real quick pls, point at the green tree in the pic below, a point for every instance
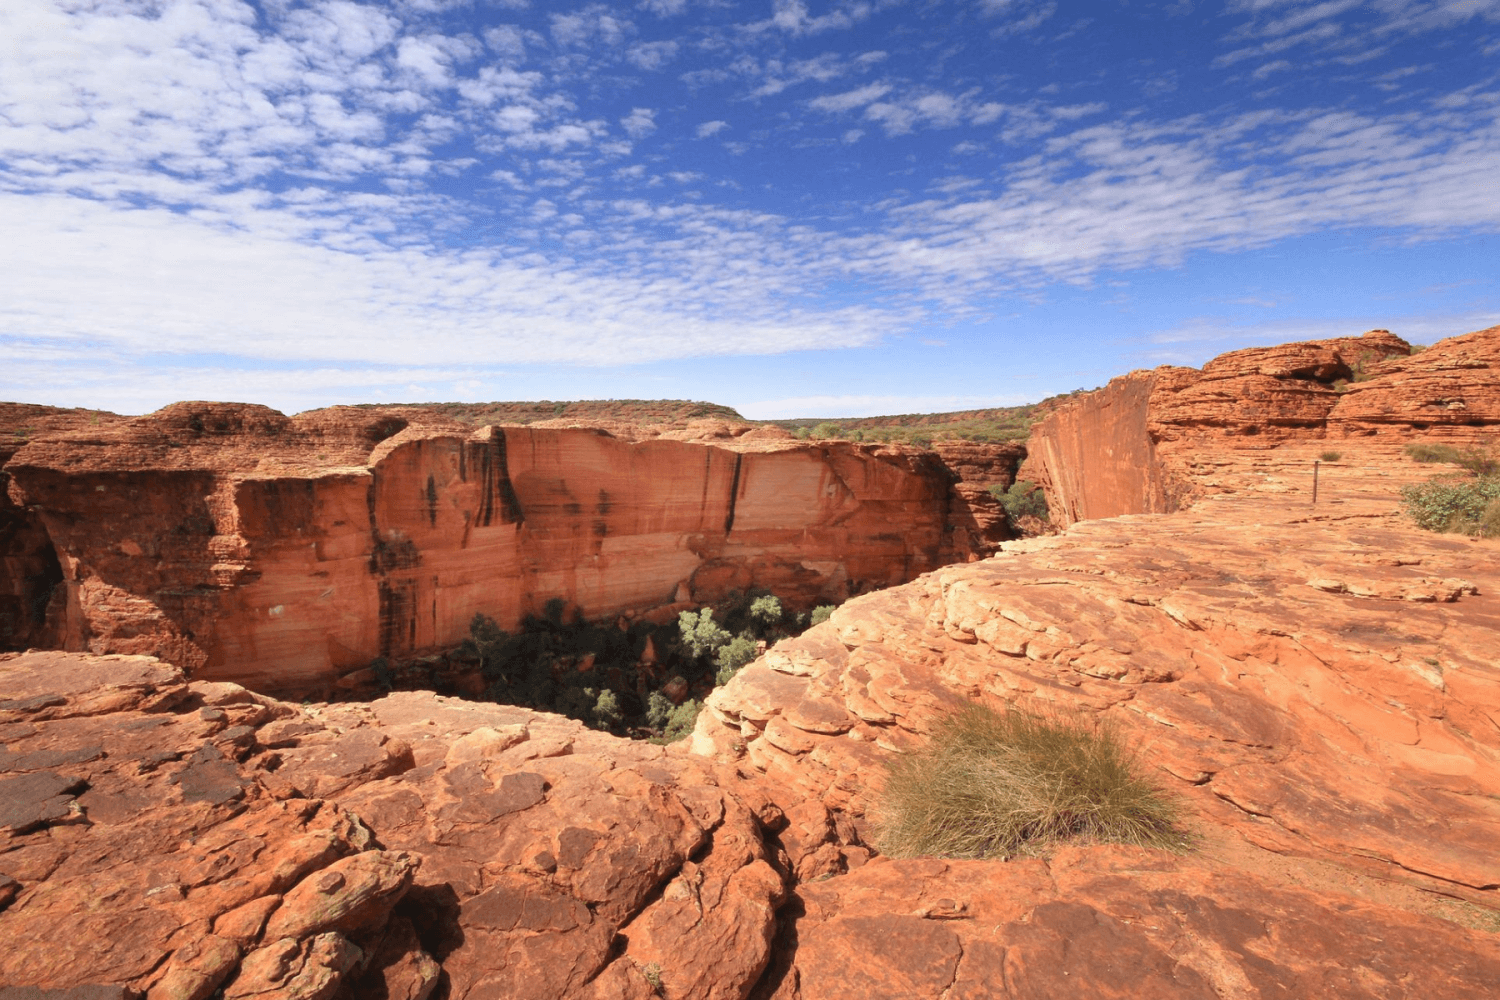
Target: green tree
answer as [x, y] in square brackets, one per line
[732, 656]
[1022, 499]
[684, 717]
[700, 633]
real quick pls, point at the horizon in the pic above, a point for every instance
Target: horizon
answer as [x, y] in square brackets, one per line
[799, 210]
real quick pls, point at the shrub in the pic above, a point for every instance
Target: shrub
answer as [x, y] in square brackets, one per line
[1480, 462]
[995, 783]
[1331, 456]
[821, 614]
[684, 717]
[606, 710]
[739, 651]
[700, 634]
[1467, 506]
[1022, 499]
[1432, 453]
[766, 609]
[658, 710]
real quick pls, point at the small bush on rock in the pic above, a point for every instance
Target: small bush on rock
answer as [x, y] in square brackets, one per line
[994, 784]
[1331, 456]
[821, 614]
[766, 609]
[680, 723]
[1469, 507]
[1481, 462]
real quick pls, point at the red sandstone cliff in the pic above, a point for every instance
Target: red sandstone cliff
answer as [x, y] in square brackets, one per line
[283, 551]
[29, 568]
[1143, 443]
[1324, 710]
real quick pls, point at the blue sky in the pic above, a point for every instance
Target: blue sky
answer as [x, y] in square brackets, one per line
[795, 207]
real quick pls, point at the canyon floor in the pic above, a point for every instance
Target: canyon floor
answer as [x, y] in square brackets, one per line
[1318, 685]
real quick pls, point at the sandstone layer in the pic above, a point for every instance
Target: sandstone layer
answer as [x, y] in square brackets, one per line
[284, 552]
[29, 570]
[1318, 685]
[1131, 447]
[180, 840]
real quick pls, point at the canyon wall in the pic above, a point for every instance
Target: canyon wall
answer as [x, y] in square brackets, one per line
[29, 569]
[284, 552]
[1146, 442]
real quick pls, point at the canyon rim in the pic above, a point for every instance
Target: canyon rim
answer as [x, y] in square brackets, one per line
[186, 814]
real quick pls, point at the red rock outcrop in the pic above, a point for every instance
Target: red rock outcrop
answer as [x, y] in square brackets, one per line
[179, 840]
[1134, 446]
[1095, 456]
[29, 568]
[1449, 390]
[1327, 710]
[283, 552]
[1317, 685]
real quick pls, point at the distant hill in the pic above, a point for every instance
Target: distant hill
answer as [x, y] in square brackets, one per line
[997, 424]
[646, 411]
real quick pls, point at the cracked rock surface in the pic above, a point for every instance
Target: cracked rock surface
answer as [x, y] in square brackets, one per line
[181, 840]
[1319, 686]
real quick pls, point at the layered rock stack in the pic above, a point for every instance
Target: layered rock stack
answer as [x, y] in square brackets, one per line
[284, 552]
[1139, 444]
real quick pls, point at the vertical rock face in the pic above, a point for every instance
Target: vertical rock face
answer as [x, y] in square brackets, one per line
[1096, 457]
[1138, 445]
[282, 552]
[29, 568]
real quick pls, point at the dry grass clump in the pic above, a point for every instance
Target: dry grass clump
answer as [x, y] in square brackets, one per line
[994, 784]
[1480, 461]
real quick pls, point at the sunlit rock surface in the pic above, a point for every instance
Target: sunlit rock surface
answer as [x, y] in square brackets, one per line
[1136, 446]
[283, 552]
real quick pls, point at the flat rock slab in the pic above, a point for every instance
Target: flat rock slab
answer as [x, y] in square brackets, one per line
[1115, 923]
[28, 801]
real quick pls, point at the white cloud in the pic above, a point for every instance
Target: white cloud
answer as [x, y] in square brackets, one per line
[270, 183]
[1127, 196]
[1347, 27]
[595, 24]
[1265, 70]
[652, 55]
[1020, 16]
[506, 41]
[849, 99]
[640, 123]
[792, 17]
[164, 283]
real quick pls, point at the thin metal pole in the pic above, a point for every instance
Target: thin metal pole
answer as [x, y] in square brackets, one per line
[1316, 463]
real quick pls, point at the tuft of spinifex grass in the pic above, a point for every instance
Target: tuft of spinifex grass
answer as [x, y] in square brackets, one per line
[995, 783]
